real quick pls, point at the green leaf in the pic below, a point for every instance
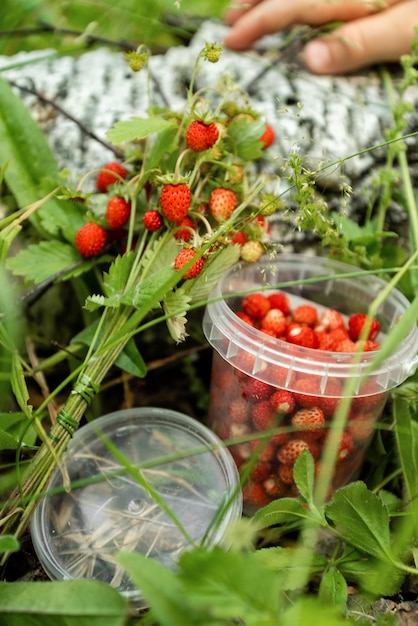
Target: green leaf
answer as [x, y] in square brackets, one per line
[64, 603]
[372, 575]
[176, 304]
[146, 295]
[215, 267]
[283, 511]
[12, 427]
[32, 171]
[361, 519]
[294, 566]
[159, 586]
[19, 386]
[303, 473]
[307, 611]
[8, 543]
[333, 590]
[245, 138]
[136, 128]
[39, 262]
[164, 144]
[114, 281]
[407, 444]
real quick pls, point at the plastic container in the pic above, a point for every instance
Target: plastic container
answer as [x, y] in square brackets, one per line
[249, 366]
[77, 534]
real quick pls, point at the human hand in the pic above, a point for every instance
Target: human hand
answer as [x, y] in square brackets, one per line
[373, 31]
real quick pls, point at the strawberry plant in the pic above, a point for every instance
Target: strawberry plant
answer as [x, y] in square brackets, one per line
[143, 241]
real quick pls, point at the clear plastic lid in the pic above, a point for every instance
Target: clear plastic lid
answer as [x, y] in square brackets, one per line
[148, 480]
[325, 283]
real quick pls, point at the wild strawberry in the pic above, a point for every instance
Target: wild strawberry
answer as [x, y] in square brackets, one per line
[285, 472]
[260, 472]
[185, 256]
[274, 486]
[222, 203]
[255, 305]
[254, 495]
[367, 346]
[238, 410]
[184, 229]
[336, 335]
[279, 300]
[302, 336]
[346, 446]
[280, 438]
[305, 314]
[344, 345]
[330, 398]
[245, 318]
[262, 415]
[306, 392]
[175, 200]
[201, 136]
[117, 212]
[288, 453]
[283, 401]
[90, 239]
[361, 426]
[255, 389]
[357, 322]
[268, 136]
[252, 251]
[369, 398]
[309, 419]
[331, 319]
[152, 220]
[109, 175]
[239, 238]
[266, 452]
[274, 321]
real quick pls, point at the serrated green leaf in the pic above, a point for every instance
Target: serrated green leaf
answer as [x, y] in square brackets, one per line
[14, 431]
[283, 511]
[245, 138]
[39, 262]
[115, 279]
[164, 144]
[176, 304]
[64, 603]
[294, 566]
[199, 288]
[361, 519]
[303, 474]
[32, 170]
[8, 543]
[148, 292]
[333, 590]
[136, 128]
[373, 575]
[407, 444]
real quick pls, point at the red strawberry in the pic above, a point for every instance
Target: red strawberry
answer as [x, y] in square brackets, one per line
[288, 453]
[262, 415]
[109, 175]
[309, 419]
[361, 426]
[239, 238]
[238, 410]
[331, 319]
[90, 239]
[302, 336]
[305, 314]
[245, 318]
[306, 392]
[346, 446]
[117, 212]
[274, 321]
[185, 256]
[201, 136]
[184, 229]
[222, 203]
[255, 305]
[356, 323]
[286, 474]
[367, 346]
[152, 220]
[279, 300]
[283, 401]
[256, 389]
[254, 495]
[344, 345]
[175, 201]
[268, 136]
[274, 486]
[260, 472]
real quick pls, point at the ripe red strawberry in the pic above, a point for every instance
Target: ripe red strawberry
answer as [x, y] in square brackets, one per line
[183, 257]
[288, 453]
[268, 136]
[90, 239]
[239, 238]
[356, 323]
[302, 336]
[305, 314]
[309, 419]
[346, 446]
[117, 212]
[152, 220]
[274, 321]
[184, 229]
[367, 346]
[109, 175]
[262, 415]
[254, 495]
[285, 473]
[344, 345]
[331, 319]
[274, 486]
[361, 426]
[306, 391]
[222, 203]
[283, 401]
[279, 300]
[201, 136]
[255, 389]
[260, 472]
[255, 305]
[175, 200]
[245, 318]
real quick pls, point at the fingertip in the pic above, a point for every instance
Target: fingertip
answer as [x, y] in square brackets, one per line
[317, 57]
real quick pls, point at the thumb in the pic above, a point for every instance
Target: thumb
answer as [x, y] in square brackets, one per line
[381, 37]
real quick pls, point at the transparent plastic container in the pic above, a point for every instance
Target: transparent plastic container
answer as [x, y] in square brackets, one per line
[77, 533]
[249, 366]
